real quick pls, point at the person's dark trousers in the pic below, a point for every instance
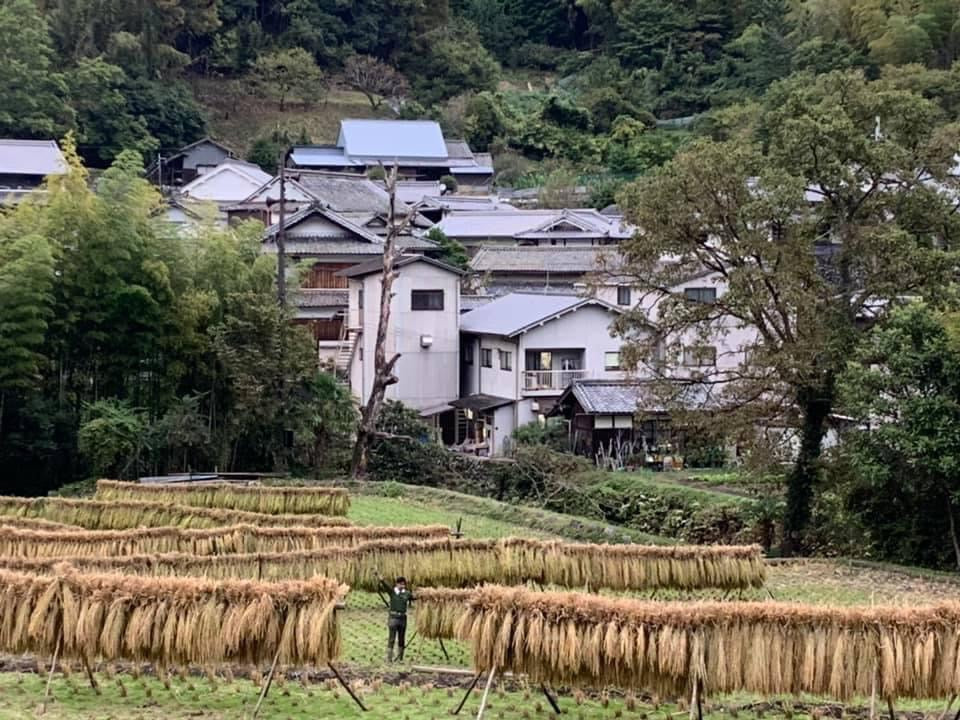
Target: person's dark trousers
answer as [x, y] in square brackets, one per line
[396, 633]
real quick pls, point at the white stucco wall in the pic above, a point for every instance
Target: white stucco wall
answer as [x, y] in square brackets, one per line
[728, 335]
[429, 377]
[587, 328]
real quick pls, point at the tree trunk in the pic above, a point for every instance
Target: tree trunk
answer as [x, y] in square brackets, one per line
[953, 530]
[815, 404]
[383, 376]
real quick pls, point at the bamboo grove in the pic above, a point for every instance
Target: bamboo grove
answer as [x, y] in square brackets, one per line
[273, 500]
[768, 648]
[16, 542]
[442, 562]
[173, 621]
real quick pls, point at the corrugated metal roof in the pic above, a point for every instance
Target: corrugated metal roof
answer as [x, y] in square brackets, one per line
[392, 138]
[321, 156]
[31, 157]
[513, 314]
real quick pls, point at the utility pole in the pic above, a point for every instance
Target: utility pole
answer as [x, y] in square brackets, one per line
[281, 231]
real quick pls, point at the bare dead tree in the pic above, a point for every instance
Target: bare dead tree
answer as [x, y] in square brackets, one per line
[375, 79]
[383, 374]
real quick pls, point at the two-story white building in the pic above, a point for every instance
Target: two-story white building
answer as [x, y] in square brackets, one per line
[424, 329]
[519, 353]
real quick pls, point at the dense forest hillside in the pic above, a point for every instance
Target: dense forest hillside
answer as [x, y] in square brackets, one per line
[578, 83]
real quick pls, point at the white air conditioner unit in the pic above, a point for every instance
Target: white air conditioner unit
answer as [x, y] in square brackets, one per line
[426, 341]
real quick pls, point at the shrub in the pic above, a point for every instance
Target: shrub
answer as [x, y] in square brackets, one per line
[450, 183]
[552, 433]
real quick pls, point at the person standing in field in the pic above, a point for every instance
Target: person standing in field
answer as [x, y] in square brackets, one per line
[398, 601]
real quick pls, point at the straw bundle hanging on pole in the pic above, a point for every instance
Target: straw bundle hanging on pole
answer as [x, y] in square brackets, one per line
[16, 542]
[769, 648]
[458, 563]
[126, 514]
[171, 620]
[269, 499]
[32, 523]
[438, 610]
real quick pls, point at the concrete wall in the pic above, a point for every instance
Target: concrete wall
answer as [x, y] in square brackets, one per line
[429, 377]
[204, 154]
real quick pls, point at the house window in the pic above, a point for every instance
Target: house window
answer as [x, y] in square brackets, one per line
[701, 294]
[426, 300]
[468, 354]
[486, 357]
[611, 361]
[506, 360]
[700, 356]
[623, 295]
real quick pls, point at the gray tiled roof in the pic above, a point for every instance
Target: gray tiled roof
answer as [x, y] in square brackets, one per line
[607, 397]
[310, 298]
[345, 193]
[325, 246]
[539, 259]
[375, 265]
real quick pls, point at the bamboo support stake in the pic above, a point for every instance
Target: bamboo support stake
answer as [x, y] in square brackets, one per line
[890, 707]
[946, 710]
[873, 681]
[696, 709]
[267, 684]
[486, 692]
[473, 684]
[53, 666]
[346, 686]
[93, 681]
[446, 655]
[551, 699]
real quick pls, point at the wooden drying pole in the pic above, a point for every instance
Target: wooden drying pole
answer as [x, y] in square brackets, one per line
[53, 666]
[333, 669]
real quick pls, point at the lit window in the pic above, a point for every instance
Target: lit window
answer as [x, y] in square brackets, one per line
[701, 294]
[623, 295]
[611, 361]
[486, 357]
[426, 300]
[506, 360]
[700, 356]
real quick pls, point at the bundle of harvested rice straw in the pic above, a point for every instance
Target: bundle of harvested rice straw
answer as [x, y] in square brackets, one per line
[458, 563]
[126, 514]
[169, 620]
[15, 542]
[769, 648]
[274, 500]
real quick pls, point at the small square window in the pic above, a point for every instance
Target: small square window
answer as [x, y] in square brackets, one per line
[701, 294]
[486, 357]
[624, 295]
[506, 360]
[426, 300]
[700, 356]
[611, 361]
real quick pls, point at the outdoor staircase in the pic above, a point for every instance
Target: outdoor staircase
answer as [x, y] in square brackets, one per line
[345, 352]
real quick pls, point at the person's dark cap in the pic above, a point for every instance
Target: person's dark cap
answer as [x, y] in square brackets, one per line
[401, 580]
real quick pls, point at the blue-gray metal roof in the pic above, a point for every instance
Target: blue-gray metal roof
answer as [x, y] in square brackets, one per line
[513, 314]
[392, 138]
[31, 157]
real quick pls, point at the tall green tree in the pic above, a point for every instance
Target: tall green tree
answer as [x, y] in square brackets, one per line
[813, 228]
[33, 94]
[904, 387]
